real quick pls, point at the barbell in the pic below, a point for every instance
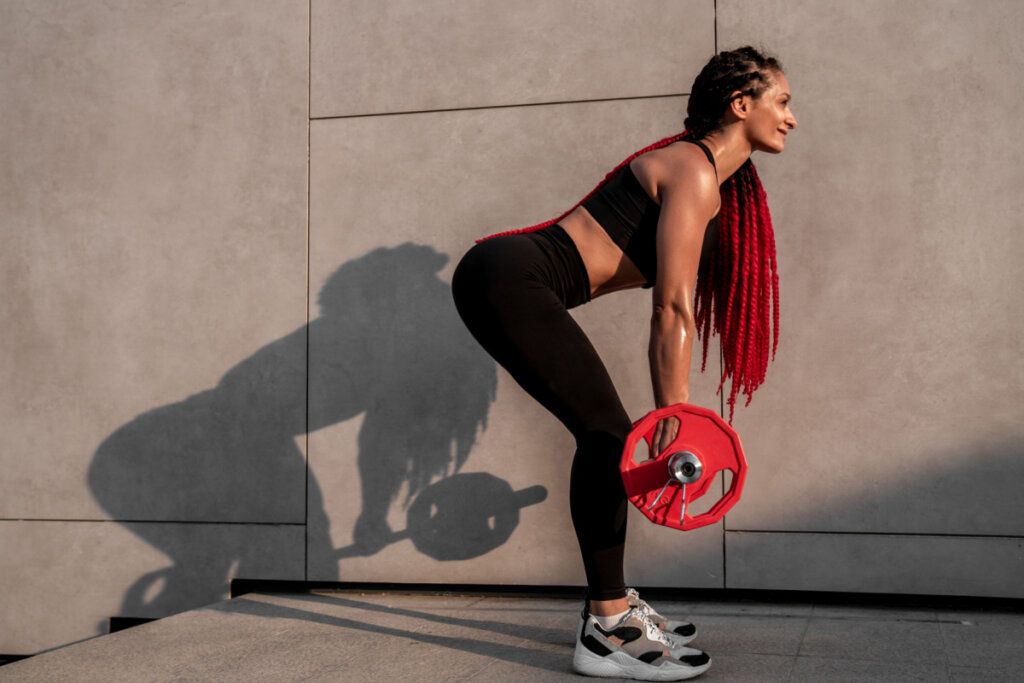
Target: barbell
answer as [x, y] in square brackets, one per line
[459, 517]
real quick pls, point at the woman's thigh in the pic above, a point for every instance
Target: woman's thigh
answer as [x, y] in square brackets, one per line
[521, 322]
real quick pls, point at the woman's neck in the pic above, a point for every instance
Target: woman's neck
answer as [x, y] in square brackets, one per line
[730, 148]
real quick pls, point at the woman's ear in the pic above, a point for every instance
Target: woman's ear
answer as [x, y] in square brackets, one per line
[740, 105]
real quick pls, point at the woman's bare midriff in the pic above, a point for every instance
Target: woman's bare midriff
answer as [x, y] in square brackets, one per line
[608, 268]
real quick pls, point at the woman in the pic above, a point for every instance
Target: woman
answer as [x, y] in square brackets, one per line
[644, 226]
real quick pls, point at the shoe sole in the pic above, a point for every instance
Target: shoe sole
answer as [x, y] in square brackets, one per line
[621, 665]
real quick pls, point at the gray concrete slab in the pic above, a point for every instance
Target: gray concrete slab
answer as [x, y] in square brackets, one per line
[966, 674]
[977, 640]
[63, 580]
[817, 669]
[754, 635]
[433, 54]
[744, 668]
[855, 428]
[153, 217]
[326, 635]
[889, 640]
[878, 563]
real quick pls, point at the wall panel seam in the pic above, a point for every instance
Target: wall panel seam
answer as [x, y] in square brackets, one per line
[146, 521]
[872, 533]
[498, 106]
[309, 172]
[714, 23]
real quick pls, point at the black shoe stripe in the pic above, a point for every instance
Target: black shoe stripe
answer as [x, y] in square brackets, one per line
[595, 645]
[626, 634]
[649, 657]
[695, 660]
[686, 630]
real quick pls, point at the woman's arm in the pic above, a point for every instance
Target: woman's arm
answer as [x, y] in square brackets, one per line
[690, 199]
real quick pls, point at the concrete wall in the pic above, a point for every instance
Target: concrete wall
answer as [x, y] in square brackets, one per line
[229, 347]
[894, 411]
[153, 190]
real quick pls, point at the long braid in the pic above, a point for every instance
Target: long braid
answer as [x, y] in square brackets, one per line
[767, 245]
[726, 321]
[765, 223]
[704, 299]
[737, 289]
[741, 298]
[739, 347]
[756, 295]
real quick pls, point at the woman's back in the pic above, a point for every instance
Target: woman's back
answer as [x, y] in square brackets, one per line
[619, 256]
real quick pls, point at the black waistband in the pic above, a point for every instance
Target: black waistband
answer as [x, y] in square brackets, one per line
[569, 279]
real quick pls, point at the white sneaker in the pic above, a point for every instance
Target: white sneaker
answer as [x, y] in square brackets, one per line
[634, 648]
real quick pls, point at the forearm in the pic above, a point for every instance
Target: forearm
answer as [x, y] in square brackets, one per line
[671, 346]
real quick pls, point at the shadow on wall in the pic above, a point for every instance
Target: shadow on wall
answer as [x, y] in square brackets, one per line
[389, 345]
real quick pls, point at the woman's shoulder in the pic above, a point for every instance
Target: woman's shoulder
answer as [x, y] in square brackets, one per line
[681, 167]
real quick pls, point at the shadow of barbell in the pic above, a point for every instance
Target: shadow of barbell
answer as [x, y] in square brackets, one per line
[458, 518]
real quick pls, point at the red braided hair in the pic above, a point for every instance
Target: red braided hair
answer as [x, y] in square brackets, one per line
[737, 291]
[664, 142]
[737, 294]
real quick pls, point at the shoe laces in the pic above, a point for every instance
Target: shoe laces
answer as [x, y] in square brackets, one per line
[645, 609]
[653, 631]
[641, 604]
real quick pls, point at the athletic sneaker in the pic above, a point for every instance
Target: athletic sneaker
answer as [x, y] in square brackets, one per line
[633, 648]
[683, 630]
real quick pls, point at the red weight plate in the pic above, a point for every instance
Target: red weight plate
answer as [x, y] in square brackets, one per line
[716, 446]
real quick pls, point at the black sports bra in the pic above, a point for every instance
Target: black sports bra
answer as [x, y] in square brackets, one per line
[630, 217]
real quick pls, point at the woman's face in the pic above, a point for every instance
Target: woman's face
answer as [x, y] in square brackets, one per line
[770, 117]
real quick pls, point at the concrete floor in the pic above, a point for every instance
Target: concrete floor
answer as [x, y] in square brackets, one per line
[336, 636]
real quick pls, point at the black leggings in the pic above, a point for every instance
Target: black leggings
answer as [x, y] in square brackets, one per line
[514, 293]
